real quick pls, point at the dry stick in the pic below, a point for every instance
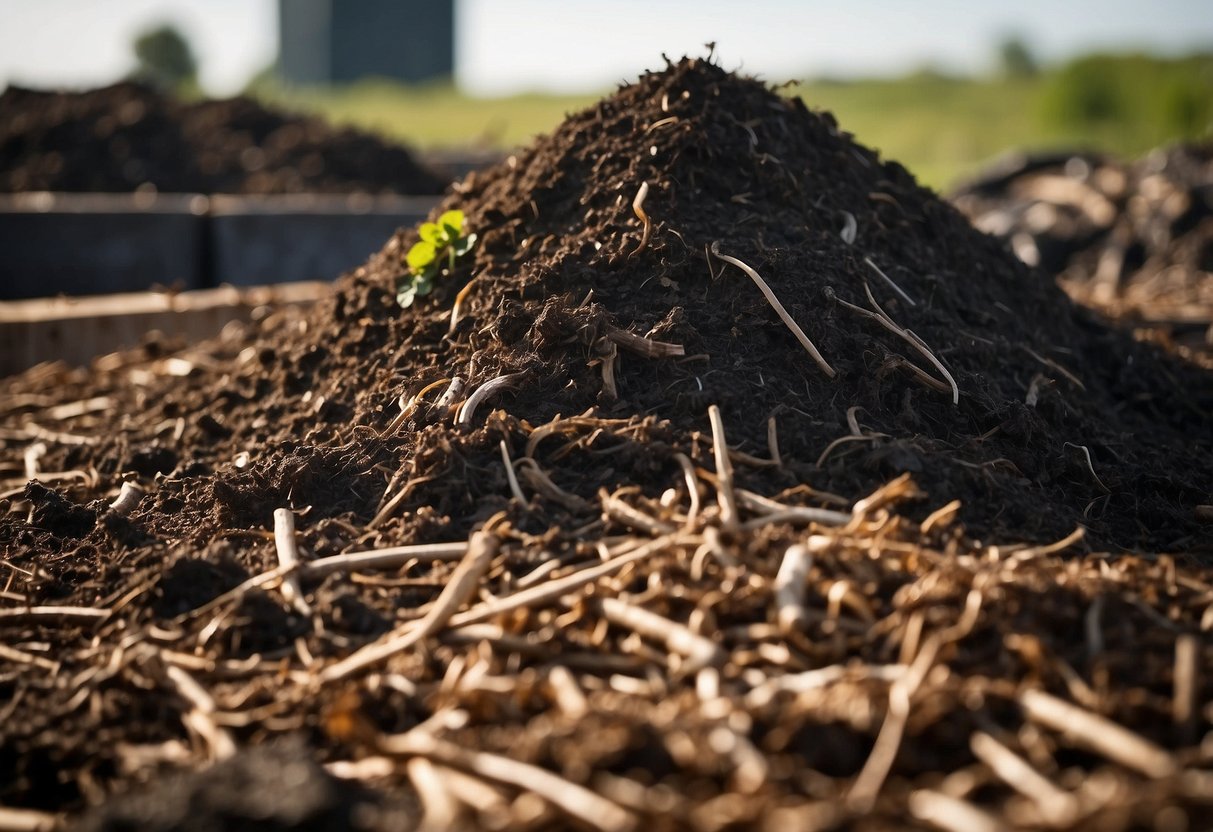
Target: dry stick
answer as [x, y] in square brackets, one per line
[288, 560]
[406, 410]
[1184, 702]
[441, 811]
[12, 654]
[489, 388]
[796, 514]
[482, 548]
[1055, 806]
[1098, 733]
[200, 716]
[515, 489]
[790, 585]
[821, 677]
[1048, 362]
[618, 510]
[779, 310]
[350, 562]
[724, 473]
[773, 442]
[610, 356]
[67, 613]
[951, 814]
[1086, 452]
[842, 440]
[471, 790]
[642, 346]
[880, 760]
[765, 505]
[31, 456]
[638, 209]
[27, 820]
[699, 651]
[389, 558]
[889, 281]
[940, 517]
[389, 509]
[688, 473]
[128, 498]
[882, 318]
[538, 479]
[567, 692]
[558, 587]
[576, 801]
[457, 307]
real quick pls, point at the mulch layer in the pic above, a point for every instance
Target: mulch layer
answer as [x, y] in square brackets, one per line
[1132, 239]
[129, 137]
[731, 481]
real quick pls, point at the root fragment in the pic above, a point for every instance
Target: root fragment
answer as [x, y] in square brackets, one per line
[882, 318]
[779, 310]
[638, 209]
[288, 560]
[128, 498]
[1097, 733]
[724, 473]
[482, 548]
[490, 388]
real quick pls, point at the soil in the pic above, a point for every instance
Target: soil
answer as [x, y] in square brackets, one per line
[1132, 239]
[129, 137]
[339, 414]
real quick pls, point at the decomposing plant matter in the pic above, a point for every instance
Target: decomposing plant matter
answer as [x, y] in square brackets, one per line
[727, 590]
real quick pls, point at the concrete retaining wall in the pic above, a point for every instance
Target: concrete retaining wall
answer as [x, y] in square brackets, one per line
[87, 244]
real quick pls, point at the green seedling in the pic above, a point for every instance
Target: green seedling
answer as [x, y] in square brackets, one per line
[441, 244]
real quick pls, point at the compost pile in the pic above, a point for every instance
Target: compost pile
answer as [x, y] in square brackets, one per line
[129, 136]
[590, 538]
[1134, 240]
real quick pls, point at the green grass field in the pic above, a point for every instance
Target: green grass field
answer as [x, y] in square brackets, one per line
[941, 128]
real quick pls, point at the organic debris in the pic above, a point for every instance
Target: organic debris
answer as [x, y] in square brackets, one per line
[610, 548]
[1134, 240]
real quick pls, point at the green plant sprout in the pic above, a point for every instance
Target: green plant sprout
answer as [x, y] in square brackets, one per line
[441, 243]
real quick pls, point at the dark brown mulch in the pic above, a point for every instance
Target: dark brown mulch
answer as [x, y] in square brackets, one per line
[1060, 422]
[129, 136]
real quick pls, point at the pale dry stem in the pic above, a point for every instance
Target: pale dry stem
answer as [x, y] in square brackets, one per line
[724, 472]
[779, 310]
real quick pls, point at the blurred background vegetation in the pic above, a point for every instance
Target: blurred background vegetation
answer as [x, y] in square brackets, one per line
[942, 127]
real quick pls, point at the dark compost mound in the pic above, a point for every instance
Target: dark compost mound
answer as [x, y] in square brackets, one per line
[127, 136]
[600, 315]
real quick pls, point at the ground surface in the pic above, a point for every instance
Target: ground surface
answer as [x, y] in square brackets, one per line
[128, 137]
[639, 618]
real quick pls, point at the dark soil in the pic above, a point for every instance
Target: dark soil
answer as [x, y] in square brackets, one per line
[130, 137]
[1061, 422]
[1133, 239]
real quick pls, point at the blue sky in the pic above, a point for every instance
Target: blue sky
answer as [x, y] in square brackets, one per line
[575, 45]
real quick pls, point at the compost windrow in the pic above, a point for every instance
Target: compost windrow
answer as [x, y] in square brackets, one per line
[1060, 421]
[130, 136]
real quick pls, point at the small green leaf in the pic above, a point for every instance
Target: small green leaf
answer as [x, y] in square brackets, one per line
[432, 233]
[406, 293]
[425, 285]
[422, 254]
[452, 221]
[463, 245]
